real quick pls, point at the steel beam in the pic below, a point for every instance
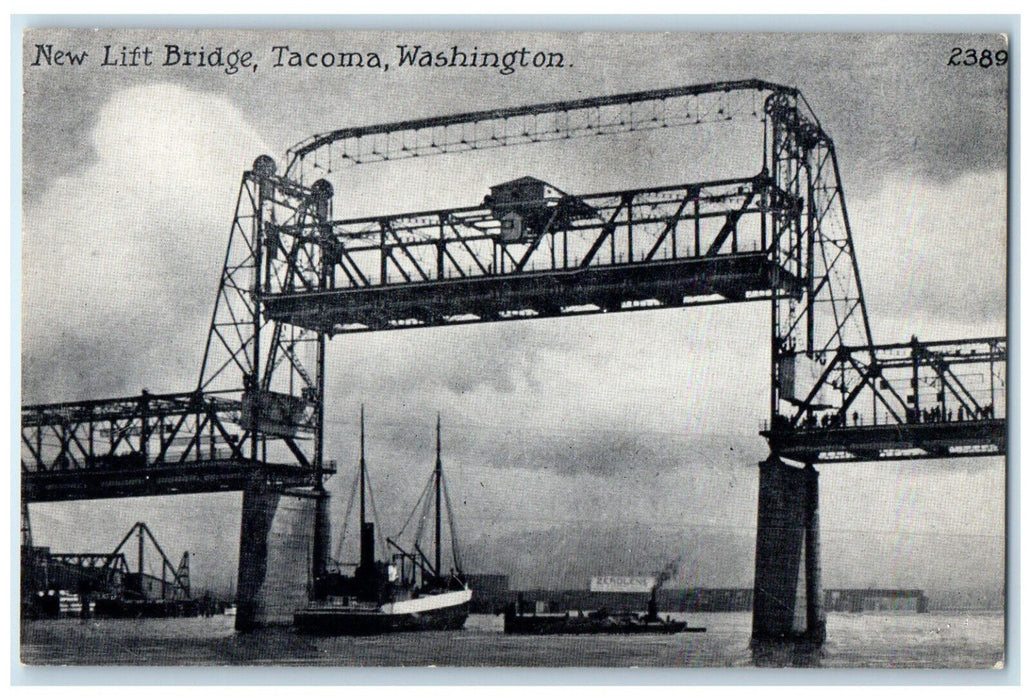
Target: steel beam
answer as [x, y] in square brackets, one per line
[665, 284]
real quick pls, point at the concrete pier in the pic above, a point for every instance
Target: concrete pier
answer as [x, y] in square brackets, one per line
[788, 595]
[260, 503]
[281, 532]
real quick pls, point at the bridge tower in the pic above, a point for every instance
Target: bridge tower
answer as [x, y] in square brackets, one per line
[274, 369]
[812, 239]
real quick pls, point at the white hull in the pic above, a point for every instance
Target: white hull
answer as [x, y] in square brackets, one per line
[438, 611]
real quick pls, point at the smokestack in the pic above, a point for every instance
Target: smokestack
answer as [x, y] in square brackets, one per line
[368, 555]
[668, 572]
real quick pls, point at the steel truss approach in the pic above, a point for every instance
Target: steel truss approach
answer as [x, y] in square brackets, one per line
[151, 444]
[295, 275]
[904, 401]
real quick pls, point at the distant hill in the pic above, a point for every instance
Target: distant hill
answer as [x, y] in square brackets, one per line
[567, 556]
[966, 599]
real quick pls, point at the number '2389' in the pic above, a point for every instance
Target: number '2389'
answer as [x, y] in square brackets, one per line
[986, 58]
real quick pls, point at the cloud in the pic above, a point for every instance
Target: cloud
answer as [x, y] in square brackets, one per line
[616, 453]
[929, 120]
[932, 255]
[500, 358]
[687, 371]
[121, 259]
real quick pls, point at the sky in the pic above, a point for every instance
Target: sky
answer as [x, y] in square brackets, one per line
[616, 442]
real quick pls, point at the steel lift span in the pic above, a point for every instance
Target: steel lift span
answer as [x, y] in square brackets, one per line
[296, 275]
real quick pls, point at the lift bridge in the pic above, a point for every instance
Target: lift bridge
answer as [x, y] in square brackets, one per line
[296, 274]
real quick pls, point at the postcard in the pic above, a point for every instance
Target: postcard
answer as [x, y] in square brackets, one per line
[520, 349]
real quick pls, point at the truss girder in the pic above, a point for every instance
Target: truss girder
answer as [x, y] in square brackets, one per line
[814, 241]
[272, 369]
[244, 348]
[158, 427]
[533, 295]
[161, 479]
[664, 246]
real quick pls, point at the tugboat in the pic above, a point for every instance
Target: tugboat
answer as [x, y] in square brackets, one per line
[518, 621]
[408, 592]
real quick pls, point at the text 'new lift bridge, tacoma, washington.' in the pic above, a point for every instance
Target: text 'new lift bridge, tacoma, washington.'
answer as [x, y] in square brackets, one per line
[295, 276]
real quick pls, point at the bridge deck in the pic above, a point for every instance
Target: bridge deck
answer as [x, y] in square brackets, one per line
[595, 289]
[869, 443]
[159, 479]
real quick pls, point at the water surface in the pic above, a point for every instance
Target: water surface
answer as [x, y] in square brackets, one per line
[868, 640]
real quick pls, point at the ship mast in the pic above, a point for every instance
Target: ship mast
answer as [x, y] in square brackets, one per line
[361, 469]
[437, 474]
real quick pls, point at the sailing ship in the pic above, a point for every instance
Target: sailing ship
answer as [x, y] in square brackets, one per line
[410, 591]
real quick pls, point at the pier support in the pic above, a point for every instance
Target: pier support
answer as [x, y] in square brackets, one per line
[788, 596]
[284, 543]
[260, 502]
[320, 545]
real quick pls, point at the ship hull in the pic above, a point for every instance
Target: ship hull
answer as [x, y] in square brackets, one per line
[447, 611]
